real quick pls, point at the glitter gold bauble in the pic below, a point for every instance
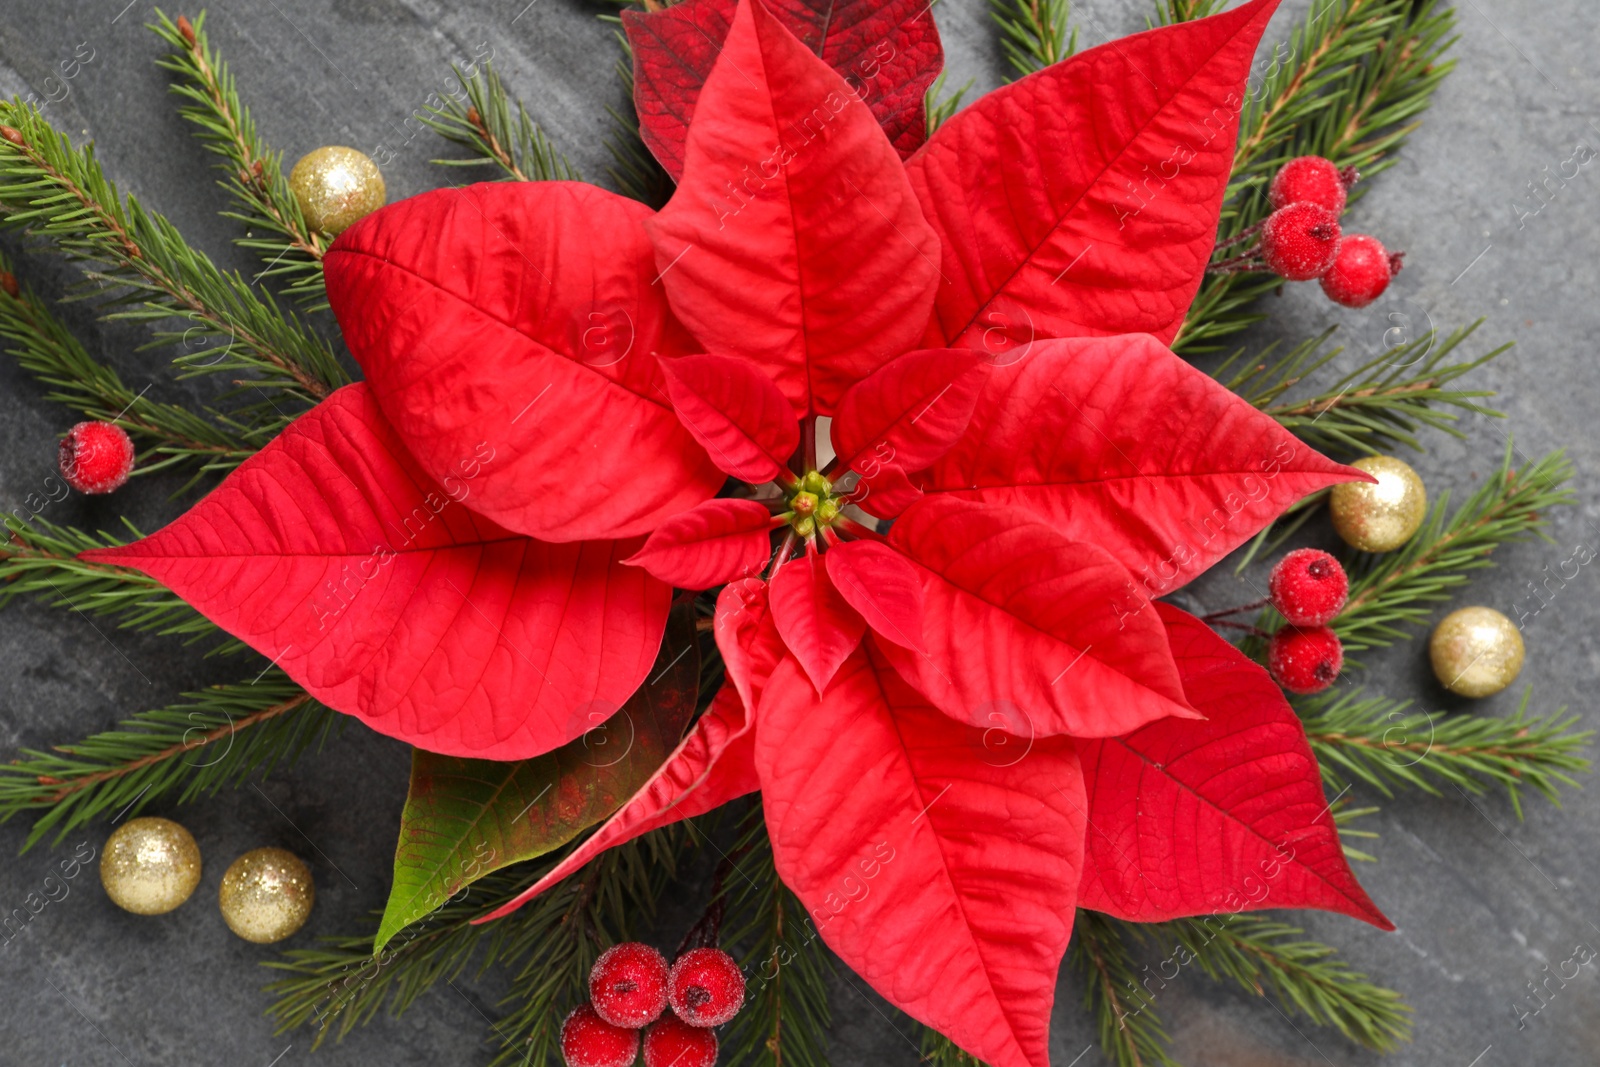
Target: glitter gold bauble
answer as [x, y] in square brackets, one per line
[1384, 516]
[266, 895]
[1476, 652]
[336, 187]
[150, 866]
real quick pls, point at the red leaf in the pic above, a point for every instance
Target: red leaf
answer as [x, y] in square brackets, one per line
[1119, 443]
[943, 879]
[910, 411]
[883, 586]
[886, 492]
[818, 624]
[713, 765]
[332, 553]
[747, 637]
[1225, 814]
[714, 542]
[736, 413]
[519, 317]
[794, 239]
[887, 52]
[1104, 214]
[1018, 617]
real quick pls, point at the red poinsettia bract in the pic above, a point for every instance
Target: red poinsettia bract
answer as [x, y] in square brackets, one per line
[962, 728]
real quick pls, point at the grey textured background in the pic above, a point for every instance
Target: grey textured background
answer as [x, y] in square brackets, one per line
[1482, 902]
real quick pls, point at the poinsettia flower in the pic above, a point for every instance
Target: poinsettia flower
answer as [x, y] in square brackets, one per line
[949, 722]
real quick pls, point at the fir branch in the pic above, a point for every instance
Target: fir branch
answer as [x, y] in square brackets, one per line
[555, 939]
[47, 350]
[785, 1019]
[637, 173]
[1130, 1031]
[483, 124]
[1361, 74]
[939, 107]
[1381, 743]
[1271, 958]
[245, 729]
[1034, 33]
[940, 1051]
[40, 559]
[55, 191]
[1400, 588]
[1374, 408]
[255, 172]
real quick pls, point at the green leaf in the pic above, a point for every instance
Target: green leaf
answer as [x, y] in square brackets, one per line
[465, 818]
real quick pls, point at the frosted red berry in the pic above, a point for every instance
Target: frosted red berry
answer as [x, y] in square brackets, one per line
[674, 1043]
[1300, 241]
[1305, 659]
[96, 457]
[589, 1041]
[706, 987]
[628, 985]
[1311, 180]
[1309, 587]
[1361, 271]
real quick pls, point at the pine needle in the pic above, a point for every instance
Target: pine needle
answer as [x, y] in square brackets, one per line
[1380, 742]
[293, 255]
[1034, 33]
[939, 106]
[55, 191]
[487, 128]
[214, 738]
[1130, 1031]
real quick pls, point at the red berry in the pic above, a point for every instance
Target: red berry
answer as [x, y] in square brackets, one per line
[1311, 180]
[706, 987]
[1309, 587]
[1305, 659]
[1360, 272]
[1300, 241]
[629, 985]
[674, 1043]
[96, 457]
[589, 1041]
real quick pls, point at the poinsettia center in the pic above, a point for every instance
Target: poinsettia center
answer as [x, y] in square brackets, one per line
[811, 504]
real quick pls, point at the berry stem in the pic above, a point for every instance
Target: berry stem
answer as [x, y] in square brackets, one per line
[1254, 605]
[1253, 631]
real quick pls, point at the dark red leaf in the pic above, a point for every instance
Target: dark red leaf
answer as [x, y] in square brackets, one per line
[887, 52]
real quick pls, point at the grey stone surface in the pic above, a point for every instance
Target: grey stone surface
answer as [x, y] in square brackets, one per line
[1483, 902]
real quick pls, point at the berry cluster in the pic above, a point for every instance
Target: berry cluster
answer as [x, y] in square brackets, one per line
[630, 988]
[1309, 589]
[1301, 239]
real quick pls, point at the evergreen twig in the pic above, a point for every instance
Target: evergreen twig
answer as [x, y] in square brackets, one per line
[939, 106]
[49, 188]
[485, 126]
[1379, 742]
[1401, 588]
[1267, 957]
[1034, 33]
[1358, 76]
[255, 173]
[244, 729]
[1130, 1031]
[785, 1019]
[40, 559]
[47, 350]
[636, 172]
[940, 1051]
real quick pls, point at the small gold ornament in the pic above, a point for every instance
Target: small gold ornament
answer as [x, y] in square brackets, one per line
[336, 187]
[1381, 517]
[150, 866]
[266, 895]
[1476, 652]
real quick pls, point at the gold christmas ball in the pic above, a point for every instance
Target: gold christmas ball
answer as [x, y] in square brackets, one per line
[1476, 652]
[1379, 517]
[150, 866]
[336, 187]
[266, 895]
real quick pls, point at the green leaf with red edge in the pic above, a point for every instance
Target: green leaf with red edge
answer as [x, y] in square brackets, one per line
[467, 817]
